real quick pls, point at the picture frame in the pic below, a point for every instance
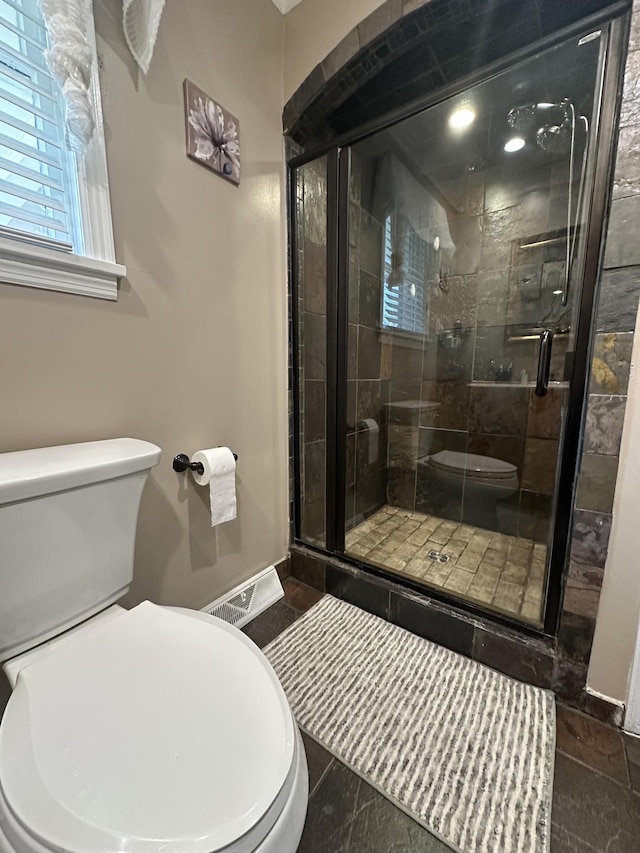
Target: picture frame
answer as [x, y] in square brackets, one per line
[213, 134]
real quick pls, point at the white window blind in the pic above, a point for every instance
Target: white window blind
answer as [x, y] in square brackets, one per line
[403, 305]
[39, 199]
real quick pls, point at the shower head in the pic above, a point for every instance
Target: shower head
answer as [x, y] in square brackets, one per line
[553, 124]
[527, 117]
[554, 138]
[522, 119]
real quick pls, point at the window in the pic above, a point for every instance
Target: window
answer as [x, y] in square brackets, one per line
[55, 218]
[403, 303]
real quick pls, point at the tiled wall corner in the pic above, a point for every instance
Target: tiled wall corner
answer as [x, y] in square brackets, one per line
[283, 568]
[308, 568]
[615, 318]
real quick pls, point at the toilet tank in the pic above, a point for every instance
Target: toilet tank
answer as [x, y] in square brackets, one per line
[68, 520]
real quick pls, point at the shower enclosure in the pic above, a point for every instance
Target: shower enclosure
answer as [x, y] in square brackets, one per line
[444, 272]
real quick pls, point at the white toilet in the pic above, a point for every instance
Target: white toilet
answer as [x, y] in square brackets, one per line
[489, 479]
[153, 729]
[484, 482]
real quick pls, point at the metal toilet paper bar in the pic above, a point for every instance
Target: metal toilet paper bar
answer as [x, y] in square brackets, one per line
[181, 462]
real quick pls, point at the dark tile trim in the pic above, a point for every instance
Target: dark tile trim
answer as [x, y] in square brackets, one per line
[521, 658]
[432, 623]
[365, 592]
[360, 36]
[283, 568]
[300, 596]
[364, 50]
[308, 567]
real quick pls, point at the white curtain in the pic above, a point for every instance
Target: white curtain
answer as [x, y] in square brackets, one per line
[70, 58]
[70, 54]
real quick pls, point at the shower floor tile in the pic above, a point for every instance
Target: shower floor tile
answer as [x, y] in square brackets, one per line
[504, 573]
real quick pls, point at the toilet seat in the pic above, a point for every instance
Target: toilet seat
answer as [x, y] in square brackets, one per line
[473, 466]
[155, 730]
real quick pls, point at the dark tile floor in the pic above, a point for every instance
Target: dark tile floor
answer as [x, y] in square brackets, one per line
[595, 809]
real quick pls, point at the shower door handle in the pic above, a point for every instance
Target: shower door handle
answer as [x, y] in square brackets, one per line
[544, 362]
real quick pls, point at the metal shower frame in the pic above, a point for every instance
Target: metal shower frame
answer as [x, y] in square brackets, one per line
[615, 22]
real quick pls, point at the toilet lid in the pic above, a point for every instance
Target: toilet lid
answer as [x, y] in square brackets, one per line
[472, 465]
[155, 731]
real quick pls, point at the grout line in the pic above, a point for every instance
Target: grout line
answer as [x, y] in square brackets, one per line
[580, 841]
[626, 762]
[323, 776]
[595, 770]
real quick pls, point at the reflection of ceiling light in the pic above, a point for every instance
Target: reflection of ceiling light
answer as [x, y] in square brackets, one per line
[590, 37]
[543, 243]
[461, 118]
[558, 292]
[514, 144]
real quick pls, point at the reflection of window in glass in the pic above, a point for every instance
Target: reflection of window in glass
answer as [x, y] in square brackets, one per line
[404, 303]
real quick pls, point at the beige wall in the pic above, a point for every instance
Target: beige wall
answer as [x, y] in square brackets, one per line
[194, 353]
[619, 606]
[313, 29]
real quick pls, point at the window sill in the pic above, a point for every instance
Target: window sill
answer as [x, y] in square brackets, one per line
[403, 338]
[48, 269]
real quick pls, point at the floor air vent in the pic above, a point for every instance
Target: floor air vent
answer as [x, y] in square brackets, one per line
[248, 600]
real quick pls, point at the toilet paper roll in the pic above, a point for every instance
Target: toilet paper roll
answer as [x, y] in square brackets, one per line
[374, 438]
[220, 475]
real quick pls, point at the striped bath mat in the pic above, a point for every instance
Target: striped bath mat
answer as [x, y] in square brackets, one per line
[465, 751]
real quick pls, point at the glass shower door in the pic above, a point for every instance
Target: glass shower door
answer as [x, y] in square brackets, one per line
[467, 231]
[310, 317]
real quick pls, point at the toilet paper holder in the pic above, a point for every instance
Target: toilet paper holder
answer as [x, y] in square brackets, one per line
[181, 462]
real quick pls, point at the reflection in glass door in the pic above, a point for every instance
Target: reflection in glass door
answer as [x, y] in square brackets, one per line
[310, 264]
[467, 224]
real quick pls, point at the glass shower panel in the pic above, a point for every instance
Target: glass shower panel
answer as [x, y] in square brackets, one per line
[311, 276]
[367, 364]
[466, 252]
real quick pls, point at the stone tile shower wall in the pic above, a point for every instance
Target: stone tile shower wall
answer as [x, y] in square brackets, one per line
[493, 291]
[367, 369]
[311, 218]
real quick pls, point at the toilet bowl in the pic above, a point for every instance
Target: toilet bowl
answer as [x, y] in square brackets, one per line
[478, 472]
[484, 481]
[148, 729]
